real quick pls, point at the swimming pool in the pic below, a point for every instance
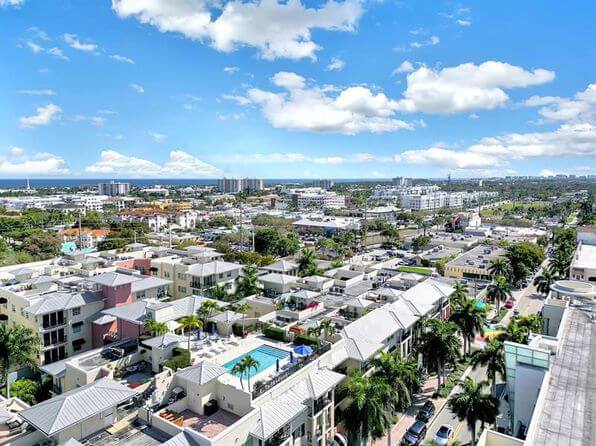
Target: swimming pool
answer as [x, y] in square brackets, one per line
[264, 354]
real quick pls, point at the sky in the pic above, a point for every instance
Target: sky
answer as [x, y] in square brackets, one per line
[296, 89]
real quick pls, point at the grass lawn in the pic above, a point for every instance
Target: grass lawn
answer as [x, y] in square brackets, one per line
[452, 379]
[415, 269]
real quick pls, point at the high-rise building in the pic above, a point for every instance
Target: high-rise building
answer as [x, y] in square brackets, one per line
[113, 188]
[323, 184]
[235, 185]
[402, 181]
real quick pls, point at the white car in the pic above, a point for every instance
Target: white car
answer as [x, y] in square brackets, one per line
[444, 434]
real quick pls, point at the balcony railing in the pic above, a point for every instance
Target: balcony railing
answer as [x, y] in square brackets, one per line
[320, 404]
[293, 368]
[279, 437]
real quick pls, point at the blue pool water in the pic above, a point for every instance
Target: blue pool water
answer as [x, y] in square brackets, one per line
[265, 354]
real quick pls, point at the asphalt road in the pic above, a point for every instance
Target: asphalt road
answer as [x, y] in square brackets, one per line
[527, 301]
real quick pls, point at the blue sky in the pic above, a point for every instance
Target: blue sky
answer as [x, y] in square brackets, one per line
[347, 89]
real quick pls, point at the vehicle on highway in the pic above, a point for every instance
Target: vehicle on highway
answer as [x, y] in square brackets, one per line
[508, 304]
[443, 435]
[426, 412]
[415, 434]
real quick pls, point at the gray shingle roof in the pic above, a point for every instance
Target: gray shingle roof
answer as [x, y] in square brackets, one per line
[70, 408]
[201, 373]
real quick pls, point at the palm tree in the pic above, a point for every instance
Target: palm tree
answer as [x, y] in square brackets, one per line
[391, 235]
[387, 366]
[498, 291]
[239, 369]
[516, 332]
[206, 310]
[369, 413]
[250, 363]
[190, 324]
[459, 295]
[218, 292]
[326, 328]
[491, 357]
[470, 319]
[532, 322]
[19, 346]
[242, 308]
[155, 328]
[545, 280]
[500, 267]
[559, 262]
[306, 262]
[439, 345]
[248, 284]
[472, 404]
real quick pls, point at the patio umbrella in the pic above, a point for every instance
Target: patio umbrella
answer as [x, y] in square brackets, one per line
[303, 350]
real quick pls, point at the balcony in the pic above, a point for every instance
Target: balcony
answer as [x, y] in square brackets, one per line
[320, 404]
[279, 437]
[54, 342]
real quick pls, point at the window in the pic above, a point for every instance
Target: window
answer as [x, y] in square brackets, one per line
[14, 309]
[76, 311]
[76, 328]
[182, 289]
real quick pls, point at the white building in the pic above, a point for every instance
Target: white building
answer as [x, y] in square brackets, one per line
[113, 188]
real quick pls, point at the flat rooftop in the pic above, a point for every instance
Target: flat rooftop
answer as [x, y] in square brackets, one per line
[480, 255]
[584, 257]
[567, 417]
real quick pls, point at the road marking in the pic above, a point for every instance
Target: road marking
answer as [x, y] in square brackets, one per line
[456, 430]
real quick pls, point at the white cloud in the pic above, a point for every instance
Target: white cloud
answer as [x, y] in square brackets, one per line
[550, 173]
[35, 47]
[45, 115]
[276, 29]
[466, 87]
[230, 117]
[336, 64]
[4, 3]
[473, 116]
[431, 41]
[158, 137]
[94, 120]
[43, 92]
[438, 156]
[38, 164]
[73, 41]
[405, 67]
[231, 70]
[180, 164]
[240, 100]
[332, 110]
[297, 157]
[38, 32]
[119, 58]
[553, 108]
[137, 88]
[57, 52]
[464, 22]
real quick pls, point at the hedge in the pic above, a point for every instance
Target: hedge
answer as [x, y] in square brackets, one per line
[275, 333]
[301, 339]
[180, 359]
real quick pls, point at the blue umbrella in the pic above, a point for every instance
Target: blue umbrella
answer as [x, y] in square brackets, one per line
[303, 350]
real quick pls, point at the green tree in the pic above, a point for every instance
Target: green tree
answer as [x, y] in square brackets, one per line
[498, 291]
[189, 324]
[26, 390]
[242, 308]
[439, 345]
[500, 267]
[369, 413]
[491, 357]
[218, 292]
[250, 364]
[41, 245]
[248, 285]
[559, 262]
[545, 280]
[472, 405]
[239, 369]
[420, 242]
[391, 236]
[306, 263]
[459, 295]
[206, 310]
[470, 320]
[154, 327]
[523, 258]
[19, 347]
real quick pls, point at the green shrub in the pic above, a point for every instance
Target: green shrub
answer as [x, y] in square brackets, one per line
[275, 333]
[312, 341]
[180, 359]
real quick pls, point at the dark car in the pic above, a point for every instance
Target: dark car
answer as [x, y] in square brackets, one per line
[414, 435]
[426, 412]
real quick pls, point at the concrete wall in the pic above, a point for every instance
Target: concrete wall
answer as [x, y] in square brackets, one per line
[528, 381]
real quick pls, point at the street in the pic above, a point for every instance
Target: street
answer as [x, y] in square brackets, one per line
[527, 301]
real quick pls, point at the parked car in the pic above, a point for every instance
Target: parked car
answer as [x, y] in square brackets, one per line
[426, 412]
[508, 304]
[415, 434]
[516, 313]
[443, 435]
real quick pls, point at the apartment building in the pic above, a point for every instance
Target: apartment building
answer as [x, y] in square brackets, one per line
[195, 271]
[113, 188]
[236, 185]
[324, 184]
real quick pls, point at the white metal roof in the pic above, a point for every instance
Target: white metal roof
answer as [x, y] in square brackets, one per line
[70, 408]
[185, 438]
[273, 416]
[210, 268]
[201, 373]
[47, 303]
